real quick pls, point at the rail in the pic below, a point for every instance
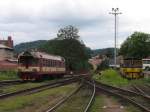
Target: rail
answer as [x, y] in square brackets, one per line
[63, 100]
[121, 93]
[92, 98]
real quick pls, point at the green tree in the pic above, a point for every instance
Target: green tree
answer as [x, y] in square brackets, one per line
[68, 32]
[104, 65]
[137, 45]
[74, 51]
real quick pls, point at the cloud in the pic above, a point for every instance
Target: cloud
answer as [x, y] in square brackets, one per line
[28, 20]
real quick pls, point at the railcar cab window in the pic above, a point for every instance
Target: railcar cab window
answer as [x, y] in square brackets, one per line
[28, 61]
[132, 63]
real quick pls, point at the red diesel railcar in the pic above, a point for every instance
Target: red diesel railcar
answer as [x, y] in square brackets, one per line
[34, 65]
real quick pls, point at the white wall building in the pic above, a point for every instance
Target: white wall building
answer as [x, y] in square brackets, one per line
[6, 52]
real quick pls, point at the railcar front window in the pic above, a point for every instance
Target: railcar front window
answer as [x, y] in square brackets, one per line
[28, 61]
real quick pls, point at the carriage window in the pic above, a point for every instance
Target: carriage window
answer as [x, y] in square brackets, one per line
[146, 61]
[50, 63]
[54, 63]
[59, 63]
[46, 63]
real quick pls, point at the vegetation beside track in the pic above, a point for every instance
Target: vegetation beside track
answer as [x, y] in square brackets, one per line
[35, 102]
[8, 75]
[113, 78]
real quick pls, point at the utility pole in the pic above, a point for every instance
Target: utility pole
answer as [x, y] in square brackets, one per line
[115, 12]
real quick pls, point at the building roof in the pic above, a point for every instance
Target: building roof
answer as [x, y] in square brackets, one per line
[4, 47]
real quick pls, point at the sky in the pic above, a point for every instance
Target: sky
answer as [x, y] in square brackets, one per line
[30, 20]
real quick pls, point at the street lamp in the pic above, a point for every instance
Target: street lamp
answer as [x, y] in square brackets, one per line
[115, 12]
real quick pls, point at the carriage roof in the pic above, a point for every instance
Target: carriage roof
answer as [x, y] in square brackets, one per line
[37, 54]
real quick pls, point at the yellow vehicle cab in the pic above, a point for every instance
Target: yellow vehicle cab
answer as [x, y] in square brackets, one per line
[131, 68]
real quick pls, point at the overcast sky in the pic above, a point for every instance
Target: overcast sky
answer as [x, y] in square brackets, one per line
[28, 20]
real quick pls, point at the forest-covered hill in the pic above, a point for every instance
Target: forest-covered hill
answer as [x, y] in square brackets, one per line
[28, 45]
[36, 44]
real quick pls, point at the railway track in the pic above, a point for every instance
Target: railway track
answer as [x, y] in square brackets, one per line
[6, 83]
[139, 100]
[10, 82]
[50, 109]
[91, 99]
[40, 88]
[63, 100]
[142, 89]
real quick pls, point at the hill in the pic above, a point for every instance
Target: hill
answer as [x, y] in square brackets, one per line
[28, 45]
[104, 51]
[36, 44]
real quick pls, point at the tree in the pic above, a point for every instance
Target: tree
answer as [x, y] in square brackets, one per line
[74, 51]
[104, 65]
[68, 32]
[137, 45]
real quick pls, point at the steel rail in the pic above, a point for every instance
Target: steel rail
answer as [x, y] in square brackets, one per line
[63, 100]
[39, 88]
[91, 99]
[115, 93]
[124, 90]
[140, 90]
[9, 82]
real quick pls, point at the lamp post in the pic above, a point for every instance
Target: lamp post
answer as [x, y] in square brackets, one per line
[115, 12]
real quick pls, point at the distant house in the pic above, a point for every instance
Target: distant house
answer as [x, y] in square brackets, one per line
[95, 61]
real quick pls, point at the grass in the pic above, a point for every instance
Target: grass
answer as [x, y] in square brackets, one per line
[36, 101]
[113, 78]
[8, 75]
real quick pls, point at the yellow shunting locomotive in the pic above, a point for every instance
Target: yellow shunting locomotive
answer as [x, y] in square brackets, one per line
[131, 68]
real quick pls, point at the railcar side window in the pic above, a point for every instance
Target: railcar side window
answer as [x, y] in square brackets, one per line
[50, 63]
